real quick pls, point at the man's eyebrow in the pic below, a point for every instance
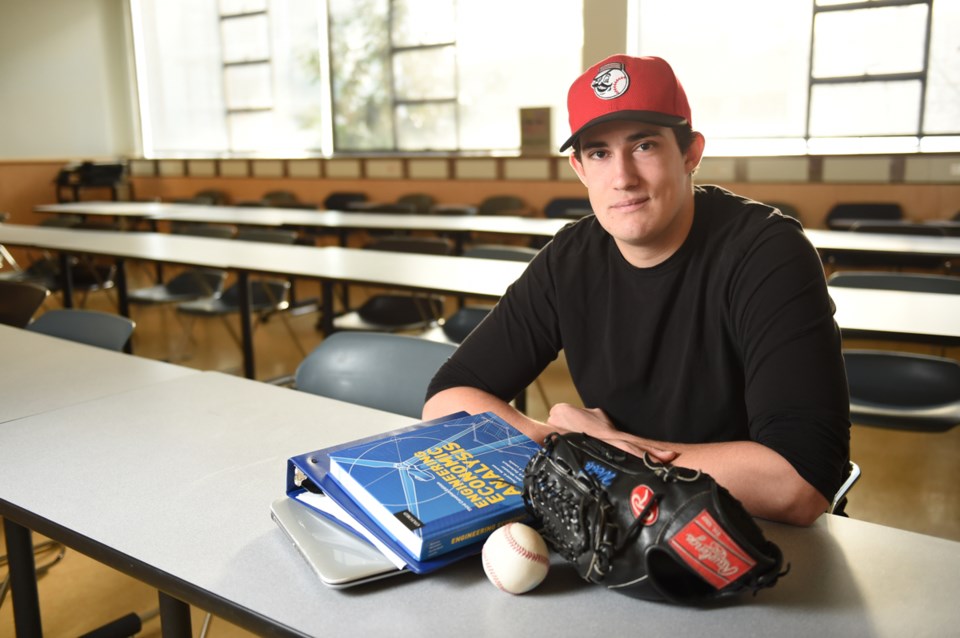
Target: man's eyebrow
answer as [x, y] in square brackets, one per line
[633, 137]
[639, 135]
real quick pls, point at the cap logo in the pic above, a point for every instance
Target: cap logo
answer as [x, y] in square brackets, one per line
[611, 81]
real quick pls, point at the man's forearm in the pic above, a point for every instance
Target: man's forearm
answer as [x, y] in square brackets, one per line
[475, 401]
[761, 479]
[766, 484]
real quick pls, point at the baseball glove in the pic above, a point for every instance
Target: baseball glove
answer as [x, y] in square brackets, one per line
[644, 528]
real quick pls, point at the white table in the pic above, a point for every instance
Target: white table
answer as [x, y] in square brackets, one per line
[196, 525]
[40, 373]
[841, 241]
[888, 313]
[824, 240]
[895, 314]
[486, 278]
[461, 226]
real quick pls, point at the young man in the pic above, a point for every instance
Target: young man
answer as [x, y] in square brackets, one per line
[696, 324]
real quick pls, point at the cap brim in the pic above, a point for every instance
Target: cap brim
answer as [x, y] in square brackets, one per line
[652, 117]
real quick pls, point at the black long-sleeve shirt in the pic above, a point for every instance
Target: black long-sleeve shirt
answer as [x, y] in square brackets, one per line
[731, 338]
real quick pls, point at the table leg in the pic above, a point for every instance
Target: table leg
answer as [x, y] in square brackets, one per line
[66, 273]
[458, 240]
[246, 324]
[23, 580]
[174, 617]
[123, 298]
[326, 308]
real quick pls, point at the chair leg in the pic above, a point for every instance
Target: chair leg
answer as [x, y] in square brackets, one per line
[293, 335]
[187, 342]
[232, 331]
[5, 256]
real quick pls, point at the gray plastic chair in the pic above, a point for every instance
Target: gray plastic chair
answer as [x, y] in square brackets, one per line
[903, 390]
[421, 202]
[189, 285]
[269, 235]
[503, 205]
[501, 251]
[341, 200]
[214, 231]
[91, 327]
[193, 283]
[19, 301]
[267, 297]
[209, 197]
[462, 322]
[385, 371]
[843, 214]
[567, 208]
[398, 312]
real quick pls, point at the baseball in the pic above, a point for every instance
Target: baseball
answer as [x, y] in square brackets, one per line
[515, 558]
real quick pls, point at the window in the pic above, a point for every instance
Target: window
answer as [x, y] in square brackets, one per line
[259, 76]
[422, 75]
[228, 77]
[289, 78]
[821, 76]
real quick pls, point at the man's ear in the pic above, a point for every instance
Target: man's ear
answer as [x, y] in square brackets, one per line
[691, 160]
[577, 168]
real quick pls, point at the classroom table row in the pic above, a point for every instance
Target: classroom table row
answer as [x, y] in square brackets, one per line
[171, 477]
[459, 227]
[923, 317]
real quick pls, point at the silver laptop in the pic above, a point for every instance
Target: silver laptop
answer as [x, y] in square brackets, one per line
[336, 555]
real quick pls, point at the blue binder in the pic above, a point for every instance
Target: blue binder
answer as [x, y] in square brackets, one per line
[310, 472]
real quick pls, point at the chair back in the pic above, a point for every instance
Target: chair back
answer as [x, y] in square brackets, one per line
[421, 202]
[62, 221]
[501, 251]
[279, 198]
[213, 197]
[398, 311]
[341, 200]
[199, 282]
[898, 228]
[453, 209]
[910, 282]
[503, 205]
[265, 294]
[844, 213]
[19, 301]
[395, 209]
[269, 235]
[567, 208]
[384, 371]
[405, 244]
[903, 390]
[216, 231]
[461, 323]
[91, 327]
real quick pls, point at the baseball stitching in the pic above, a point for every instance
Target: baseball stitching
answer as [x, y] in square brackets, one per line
[492, 572]
[523, 551]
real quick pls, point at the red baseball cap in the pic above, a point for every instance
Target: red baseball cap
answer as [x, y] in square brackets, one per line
[626, 88]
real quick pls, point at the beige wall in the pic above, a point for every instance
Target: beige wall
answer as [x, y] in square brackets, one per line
[65, 80]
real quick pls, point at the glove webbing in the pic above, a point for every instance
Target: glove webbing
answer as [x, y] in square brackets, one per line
[567, 507]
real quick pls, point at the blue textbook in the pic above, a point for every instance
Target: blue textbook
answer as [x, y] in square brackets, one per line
[438, 488]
